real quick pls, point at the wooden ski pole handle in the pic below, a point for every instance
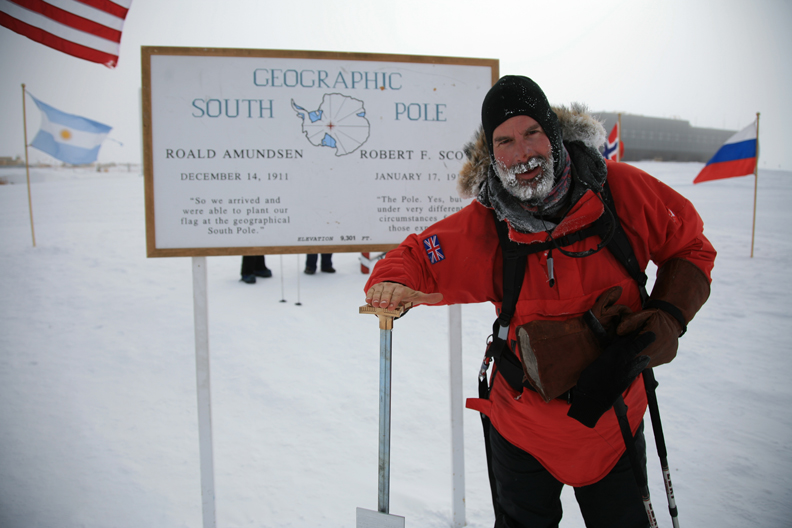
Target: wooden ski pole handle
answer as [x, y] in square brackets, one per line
[385, 316]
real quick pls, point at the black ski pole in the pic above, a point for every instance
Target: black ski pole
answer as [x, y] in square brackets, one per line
[654, 411]
[638, 472]
[624, 424]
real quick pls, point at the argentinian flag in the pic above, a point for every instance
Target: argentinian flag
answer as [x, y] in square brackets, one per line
[68, 137]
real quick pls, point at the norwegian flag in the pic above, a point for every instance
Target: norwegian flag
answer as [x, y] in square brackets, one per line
[433, 249]
[612, 144]
[86, 29]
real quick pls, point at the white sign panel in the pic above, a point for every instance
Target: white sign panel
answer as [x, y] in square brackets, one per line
[261, 152]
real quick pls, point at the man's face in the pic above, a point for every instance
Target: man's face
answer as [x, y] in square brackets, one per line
[523, 158]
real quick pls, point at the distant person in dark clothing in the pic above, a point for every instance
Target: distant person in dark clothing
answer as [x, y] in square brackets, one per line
[253, 267]
[327, 263]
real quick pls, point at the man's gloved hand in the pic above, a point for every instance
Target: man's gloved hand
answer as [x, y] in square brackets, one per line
[604, 380]
[665, 327]
[679, 292]
[554, 353]
[608, 313]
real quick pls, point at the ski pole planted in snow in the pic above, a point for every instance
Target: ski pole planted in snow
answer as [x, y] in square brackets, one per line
[620, 408]
[382, 518]
[657, 426]
[640, 475]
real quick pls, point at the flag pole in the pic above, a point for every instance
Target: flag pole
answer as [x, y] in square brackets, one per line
[618, 147]
[756, 184]
[27, 166]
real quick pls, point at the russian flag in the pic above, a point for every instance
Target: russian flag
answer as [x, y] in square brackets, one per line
[67, 137]
[737, 157]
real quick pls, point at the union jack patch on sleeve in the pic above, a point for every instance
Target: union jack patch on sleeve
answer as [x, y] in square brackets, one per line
[433, 249]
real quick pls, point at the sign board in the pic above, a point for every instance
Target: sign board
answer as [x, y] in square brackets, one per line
[254, 152]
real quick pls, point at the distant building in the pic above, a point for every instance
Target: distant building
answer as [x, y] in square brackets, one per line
[656, 138]
[7, 161]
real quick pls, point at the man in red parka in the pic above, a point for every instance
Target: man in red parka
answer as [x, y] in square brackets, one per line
[538, 169]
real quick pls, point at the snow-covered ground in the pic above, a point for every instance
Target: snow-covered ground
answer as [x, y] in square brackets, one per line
[98, 412]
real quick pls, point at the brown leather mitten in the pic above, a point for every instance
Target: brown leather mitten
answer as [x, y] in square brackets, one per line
[679, 292]
[554, 353]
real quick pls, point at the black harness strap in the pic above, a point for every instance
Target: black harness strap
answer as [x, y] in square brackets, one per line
[514, 262]
[621, 248]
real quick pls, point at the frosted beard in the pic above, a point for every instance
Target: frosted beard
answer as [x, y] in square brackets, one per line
[533, 191]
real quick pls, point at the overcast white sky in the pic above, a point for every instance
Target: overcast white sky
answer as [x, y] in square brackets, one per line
[714, 63]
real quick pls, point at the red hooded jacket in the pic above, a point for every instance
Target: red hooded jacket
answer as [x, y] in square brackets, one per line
[660, 224]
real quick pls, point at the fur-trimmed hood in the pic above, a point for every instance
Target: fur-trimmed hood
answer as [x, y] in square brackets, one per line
[576, 125]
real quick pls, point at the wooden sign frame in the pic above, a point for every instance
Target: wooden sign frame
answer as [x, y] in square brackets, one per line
[186, 90]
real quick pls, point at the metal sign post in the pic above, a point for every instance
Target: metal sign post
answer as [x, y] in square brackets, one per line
[457, 420]
[201, 311]
[382, 517]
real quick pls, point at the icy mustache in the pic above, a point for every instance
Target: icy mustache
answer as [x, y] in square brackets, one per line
[524, 167]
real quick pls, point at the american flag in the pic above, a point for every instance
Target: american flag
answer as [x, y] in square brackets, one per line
[433, 249]
[86, 29]
[613, 144]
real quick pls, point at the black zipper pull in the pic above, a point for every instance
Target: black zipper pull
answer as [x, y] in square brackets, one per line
[550, 268]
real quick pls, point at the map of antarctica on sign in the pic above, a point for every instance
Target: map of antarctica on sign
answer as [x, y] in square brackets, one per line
[339, 122]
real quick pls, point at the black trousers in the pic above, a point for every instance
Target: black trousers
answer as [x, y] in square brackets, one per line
[312, 258]
[252, 264]
[531, 497]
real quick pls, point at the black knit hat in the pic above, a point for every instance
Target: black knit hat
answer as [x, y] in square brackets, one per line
[515, 95]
